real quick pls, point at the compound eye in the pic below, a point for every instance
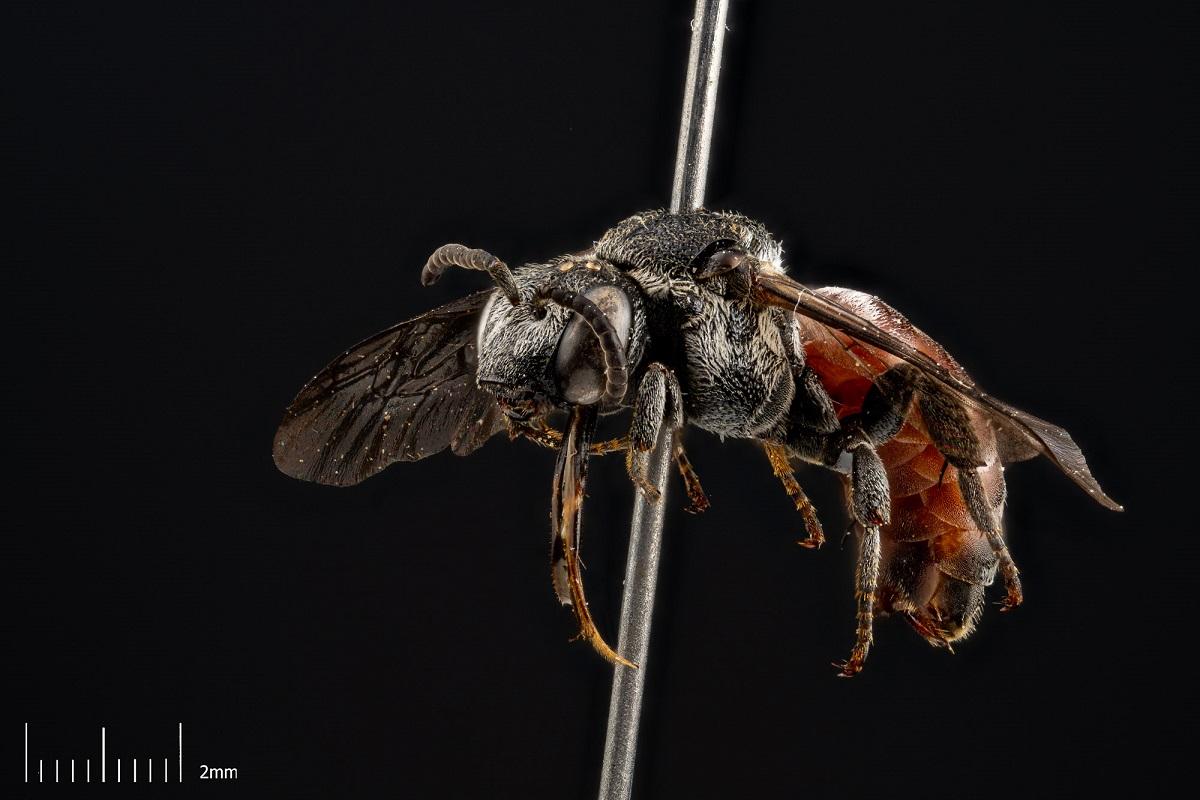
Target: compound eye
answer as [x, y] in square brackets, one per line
[579, 363]
[718, 262]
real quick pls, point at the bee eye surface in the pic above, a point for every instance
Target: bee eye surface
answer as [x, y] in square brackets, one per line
[718, 259]
[579, 364]
[724, 261]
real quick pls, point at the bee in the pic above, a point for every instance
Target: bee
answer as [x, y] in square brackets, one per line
[690, 319]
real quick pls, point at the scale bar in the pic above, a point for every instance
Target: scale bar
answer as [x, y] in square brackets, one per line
[166, 771]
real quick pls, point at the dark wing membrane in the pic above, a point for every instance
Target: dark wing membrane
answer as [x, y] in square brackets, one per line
[401, 395]
[1013, 424]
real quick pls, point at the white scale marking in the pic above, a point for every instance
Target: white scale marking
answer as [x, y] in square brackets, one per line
[104, 763]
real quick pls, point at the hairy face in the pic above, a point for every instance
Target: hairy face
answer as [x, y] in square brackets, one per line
[534, 357]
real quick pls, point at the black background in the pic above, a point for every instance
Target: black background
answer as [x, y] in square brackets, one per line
[215, 201]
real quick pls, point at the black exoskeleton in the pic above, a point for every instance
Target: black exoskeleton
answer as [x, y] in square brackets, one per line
[689, 318]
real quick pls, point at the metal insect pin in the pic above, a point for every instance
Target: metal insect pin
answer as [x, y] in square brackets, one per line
[688, 318]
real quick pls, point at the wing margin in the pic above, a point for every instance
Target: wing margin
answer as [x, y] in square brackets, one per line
[403, 394]
[776, 289]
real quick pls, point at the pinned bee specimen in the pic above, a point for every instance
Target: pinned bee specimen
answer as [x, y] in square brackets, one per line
[689, 318]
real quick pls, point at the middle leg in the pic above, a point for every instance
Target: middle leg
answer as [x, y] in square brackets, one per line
[697, 500]
[777, 454]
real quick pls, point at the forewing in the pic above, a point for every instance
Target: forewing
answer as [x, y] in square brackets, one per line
[1015, 427]
[403, 394]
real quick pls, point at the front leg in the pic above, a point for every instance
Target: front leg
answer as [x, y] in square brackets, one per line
[566, 515]
[658, 394]
[659, 400]
[543, 435]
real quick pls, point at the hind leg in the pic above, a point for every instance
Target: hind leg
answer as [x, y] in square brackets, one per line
[954, 436]
[937, 584]
[869, 504]
[929, 627]
[866, 584]
[880, 417]
[956, 607]
[869, 501]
